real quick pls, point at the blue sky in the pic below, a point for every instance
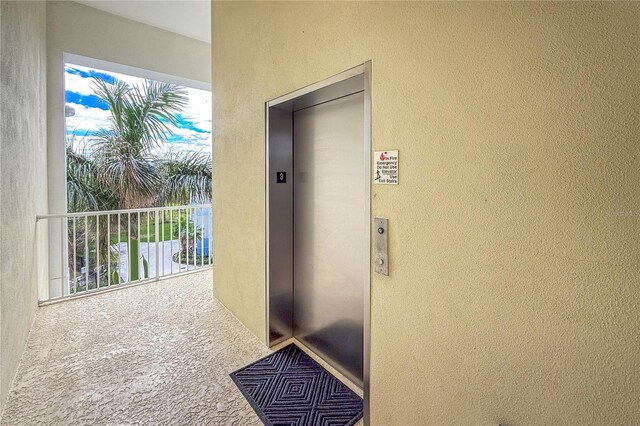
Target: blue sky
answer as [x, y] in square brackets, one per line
[193, 130]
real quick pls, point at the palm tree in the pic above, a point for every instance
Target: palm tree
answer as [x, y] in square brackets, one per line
[140, 119]
[188, 235]
[187, 178]
[118, 169]
[82, 185]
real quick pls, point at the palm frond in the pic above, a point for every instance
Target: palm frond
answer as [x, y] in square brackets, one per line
[187, 178]
[157, 105]
[134, 178]
[116, 97]
[120, 171]
[80, 183]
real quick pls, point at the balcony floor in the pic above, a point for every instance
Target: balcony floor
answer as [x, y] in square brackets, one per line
[158, 353]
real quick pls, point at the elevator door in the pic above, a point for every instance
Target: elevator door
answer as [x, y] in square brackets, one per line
[330, 251]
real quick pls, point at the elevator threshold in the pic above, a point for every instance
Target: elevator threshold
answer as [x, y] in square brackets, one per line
[344, 379]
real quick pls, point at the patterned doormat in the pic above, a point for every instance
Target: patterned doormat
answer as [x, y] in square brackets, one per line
[289, 388]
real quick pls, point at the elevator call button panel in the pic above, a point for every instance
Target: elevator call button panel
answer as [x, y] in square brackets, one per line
[381, 246]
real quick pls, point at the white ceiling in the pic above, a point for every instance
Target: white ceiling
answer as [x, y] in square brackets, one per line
[191, 18]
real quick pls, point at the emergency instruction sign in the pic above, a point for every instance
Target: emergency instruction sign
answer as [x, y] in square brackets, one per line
[385, 170]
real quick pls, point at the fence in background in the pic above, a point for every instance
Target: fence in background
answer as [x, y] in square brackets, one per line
[103, 250]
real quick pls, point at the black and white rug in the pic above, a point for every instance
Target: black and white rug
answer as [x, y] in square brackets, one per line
[289, 388]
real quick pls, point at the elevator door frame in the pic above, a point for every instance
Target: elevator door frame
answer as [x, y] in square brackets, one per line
[279, 204]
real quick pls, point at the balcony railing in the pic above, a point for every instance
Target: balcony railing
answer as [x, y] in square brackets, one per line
[97, 251]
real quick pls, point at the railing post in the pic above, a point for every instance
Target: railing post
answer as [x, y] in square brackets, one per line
[63, 250]
[157, 245]
[86, 253]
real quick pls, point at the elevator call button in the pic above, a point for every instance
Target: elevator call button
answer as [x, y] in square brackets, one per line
[281, 177]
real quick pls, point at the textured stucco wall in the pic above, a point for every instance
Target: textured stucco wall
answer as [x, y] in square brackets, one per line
[22, 173]
[515, 284]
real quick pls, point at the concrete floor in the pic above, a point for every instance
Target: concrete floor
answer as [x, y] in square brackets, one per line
[158, 353]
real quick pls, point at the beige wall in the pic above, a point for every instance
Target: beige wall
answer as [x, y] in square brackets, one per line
[515, 284]
[22, 173]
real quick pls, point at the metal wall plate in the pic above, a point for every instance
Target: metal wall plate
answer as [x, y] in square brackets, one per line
[381, 252]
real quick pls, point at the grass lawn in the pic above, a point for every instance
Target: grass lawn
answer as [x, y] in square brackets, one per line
[165, 234]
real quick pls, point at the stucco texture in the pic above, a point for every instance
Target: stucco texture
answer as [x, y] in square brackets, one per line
[155, 354]
[22, 173]
[515, 285]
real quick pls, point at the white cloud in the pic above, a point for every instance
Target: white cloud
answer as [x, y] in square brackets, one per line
[198, 112]
[181, 146]
[88, 118]
[189, 133]
[78, 84]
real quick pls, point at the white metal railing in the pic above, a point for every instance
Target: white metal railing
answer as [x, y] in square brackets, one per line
[96, 251]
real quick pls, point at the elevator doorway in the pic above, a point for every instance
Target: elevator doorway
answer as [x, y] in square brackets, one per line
[318, 215]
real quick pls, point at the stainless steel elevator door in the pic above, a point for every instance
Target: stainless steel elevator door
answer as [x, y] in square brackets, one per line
[330, 252]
